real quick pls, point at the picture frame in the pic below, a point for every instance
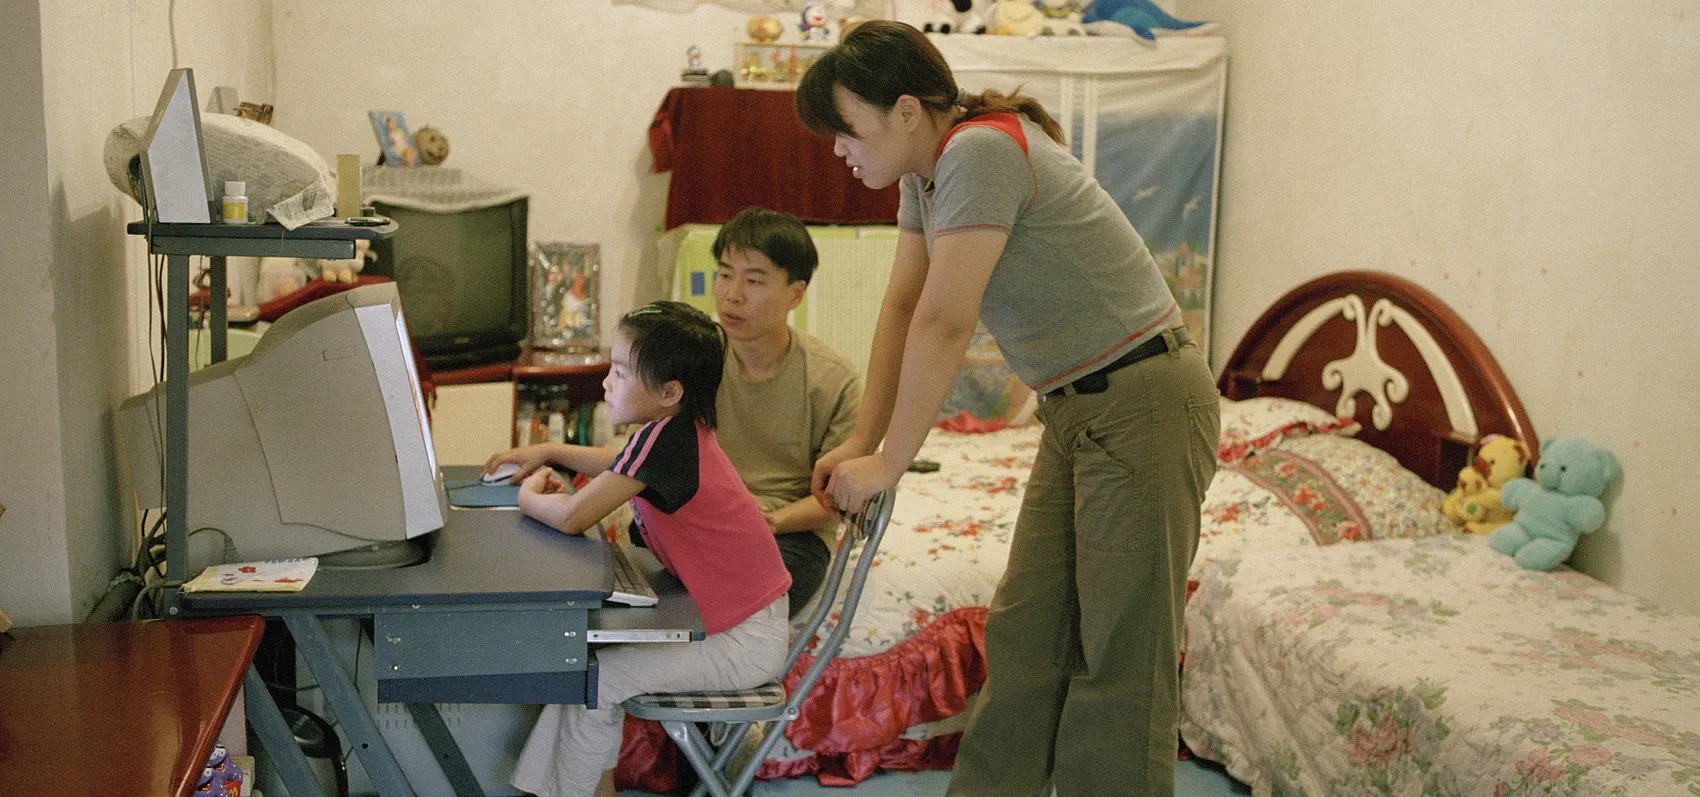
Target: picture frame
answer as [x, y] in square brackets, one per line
[566, 297]
[395, 141]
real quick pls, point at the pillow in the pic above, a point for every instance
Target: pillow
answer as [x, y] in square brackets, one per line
[1254, 424]
[1394, 501]
[284, 176]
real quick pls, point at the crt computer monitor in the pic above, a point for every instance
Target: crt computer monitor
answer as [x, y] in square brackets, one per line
[462, 274]
[314, 444]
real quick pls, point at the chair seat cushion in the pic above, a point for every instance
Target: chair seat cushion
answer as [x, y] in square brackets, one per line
[767, 695]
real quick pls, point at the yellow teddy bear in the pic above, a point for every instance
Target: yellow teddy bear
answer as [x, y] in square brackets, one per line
[1474, 503]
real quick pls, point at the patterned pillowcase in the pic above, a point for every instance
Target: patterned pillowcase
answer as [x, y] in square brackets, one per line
[1394, 502]
[1254, 424]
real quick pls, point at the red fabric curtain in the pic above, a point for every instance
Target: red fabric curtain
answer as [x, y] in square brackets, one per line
[732, 148]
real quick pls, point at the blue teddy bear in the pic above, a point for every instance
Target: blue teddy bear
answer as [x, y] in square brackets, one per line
[1564, 505]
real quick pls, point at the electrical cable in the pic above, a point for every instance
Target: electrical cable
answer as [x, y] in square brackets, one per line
[171, 24]
[145, 545]
[142, 597]
[282, 688]
[230, 552]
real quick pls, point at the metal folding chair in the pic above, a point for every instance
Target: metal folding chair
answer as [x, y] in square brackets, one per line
[767, 705]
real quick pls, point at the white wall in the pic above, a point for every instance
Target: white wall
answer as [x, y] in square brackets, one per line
[550, 96]
[33, 584]
[71, 72]
[1532, 165]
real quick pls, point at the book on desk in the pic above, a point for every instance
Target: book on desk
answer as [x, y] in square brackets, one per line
[278, 575]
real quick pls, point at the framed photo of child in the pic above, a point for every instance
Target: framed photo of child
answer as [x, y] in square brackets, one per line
[394, 141]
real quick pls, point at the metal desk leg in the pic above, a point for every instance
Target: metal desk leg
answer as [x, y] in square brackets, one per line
[314, 646]
[217, 309]
[176, 424]
[276, 739]
[444, 747]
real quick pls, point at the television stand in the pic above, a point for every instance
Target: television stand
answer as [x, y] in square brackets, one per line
[472, 404]
[504, 353]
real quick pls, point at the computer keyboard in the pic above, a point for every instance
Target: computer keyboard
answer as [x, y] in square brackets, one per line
[631, 587]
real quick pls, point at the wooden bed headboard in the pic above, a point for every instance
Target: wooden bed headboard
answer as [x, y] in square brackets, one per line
[1384, 351]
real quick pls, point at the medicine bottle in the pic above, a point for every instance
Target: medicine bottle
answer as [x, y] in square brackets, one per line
[235, 202]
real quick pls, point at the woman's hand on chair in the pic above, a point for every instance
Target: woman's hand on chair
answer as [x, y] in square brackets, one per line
[829, 462]
[855, 481]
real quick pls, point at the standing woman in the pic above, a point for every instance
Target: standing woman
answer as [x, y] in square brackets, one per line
[998, 222]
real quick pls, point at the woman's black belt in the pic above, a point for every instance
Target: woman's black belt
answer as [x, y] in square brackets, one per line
[1098, 381]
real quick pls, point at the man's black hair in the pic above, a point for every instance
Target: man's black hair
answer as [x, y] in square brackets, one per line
[780, 236]
[675, 341]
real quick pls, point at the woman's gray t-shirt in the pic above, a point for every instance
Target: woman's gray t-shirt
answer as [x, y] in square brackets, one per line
[1075, 287]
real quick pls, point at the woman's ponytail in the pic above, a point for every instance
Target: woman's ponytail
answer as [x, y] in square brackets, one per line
[993, 101]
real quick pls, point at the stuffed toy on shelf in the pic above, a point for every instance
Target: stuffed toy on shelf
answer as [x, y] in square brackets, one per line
[1062, 18]
[1016, 18]
[1560, 505]
[955, 16]
[1136, 18]
[347, 271]
[1474, 504]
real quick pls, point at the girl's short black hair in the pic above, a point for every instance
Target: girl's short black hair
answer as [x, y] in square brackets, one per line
[675, 341]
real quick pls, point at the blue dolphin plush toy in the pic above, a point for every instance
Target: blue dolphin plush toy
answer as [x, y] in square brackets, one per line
[1140, 15]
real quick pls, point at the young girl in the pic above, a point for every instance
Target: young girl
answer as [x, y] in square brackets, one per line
[695, 515]
[999, 222]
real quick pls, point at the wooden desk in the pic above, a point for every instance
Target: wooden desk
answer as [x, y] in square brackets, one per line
[117, 708]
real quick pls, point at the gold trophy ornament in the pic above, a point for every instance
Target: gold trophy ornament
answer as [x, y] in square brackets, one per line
[763, 29]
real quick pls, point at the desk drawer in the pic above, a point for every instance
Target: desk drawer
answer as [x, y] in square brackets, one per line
[492, 656]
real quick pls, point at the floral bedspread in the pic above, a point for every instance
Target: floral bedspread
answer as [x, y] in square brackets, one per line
[1434, 666]
[948, 540]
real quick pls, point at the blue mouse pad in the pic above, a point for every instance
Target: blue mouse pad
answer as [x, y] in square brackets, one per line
[476, 494]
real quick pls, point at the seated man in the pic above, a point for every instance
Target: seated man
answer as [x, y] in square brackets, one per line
[786, 397]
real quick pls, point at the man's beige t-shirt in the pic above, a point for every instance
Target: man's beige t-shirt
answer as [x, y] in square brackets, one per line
[775, 429]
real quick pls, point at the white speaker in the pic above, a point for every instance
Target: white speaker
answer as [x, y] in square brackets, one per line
[174, 163]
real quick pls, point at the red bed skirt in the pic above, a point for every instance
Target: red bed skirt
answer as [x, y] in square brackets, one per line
[855, 715]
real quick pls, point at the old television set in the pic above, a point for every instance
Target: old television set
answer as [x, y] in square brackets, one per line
[316, 443]
[462, 275]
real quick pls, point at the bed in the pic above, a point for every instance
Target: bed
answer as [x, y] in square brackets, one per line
[1433, 664]
[1347, 406]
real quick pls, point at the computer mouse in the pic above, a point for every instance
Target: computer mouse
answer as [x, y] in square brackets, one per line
[501, 474]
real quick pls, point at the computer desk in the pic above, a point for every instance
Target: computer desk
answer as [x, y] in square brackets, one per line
[504, 611]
